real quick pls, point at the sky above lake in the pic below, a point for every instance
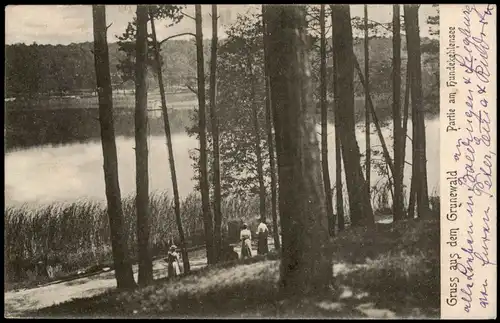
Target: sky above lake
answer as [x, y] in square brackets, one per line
[65, 24]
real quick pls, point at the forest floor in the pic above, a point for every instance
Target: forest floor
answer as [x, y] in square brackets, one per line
[390, 271]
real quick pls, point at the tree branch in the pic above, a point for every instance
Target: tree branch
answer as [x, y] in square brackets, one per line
[216, 18]
[177, 35]
[107, 27]
[191, 89]
[186, 15]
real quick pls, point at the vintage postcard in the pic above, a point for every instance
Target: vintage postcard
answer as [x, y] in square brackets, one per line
[250, 161]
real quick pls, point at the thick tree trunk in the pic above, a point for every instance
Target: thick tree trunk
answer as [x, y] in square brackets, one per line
[412, 31]
[367, 96]
[123, 267]
[205, 198]
[324, 122]
[168, 134]
[270, 141]
[141, 148]
[396, 115]
[215, 138]
[338, 153]
[306, 266]
[359, 200]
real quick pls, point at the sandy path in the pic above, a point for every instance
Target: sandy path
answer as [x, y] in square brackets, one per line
[18, 302]
[25, 300]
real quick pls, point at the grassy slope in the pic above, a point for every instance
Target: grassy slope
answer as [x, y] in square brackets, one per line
[392, 260]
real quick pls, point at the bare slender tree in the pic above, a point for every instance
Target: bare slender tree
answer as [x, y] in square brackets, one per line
[359, 200]
[258, 148]
[168, 134]
[215, 138]
[141, 148]
[338, 150]
[367, 95]
[414, 57]
[123, 267]
[324, 120]
[404, 131]
[396, 114]
[270, 141]
[204, 188]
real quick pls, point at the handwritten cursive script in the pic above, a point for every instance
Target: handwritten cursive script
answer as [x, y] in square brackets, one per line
[473, 153]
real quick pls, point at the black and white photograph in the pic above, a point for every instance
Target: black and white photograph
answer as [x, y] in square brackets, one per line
[222, 161]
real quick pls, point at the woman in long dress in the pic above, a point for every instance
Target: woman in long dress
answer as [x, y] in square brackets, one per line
[262, 232]
[173, 262]
[246, 242]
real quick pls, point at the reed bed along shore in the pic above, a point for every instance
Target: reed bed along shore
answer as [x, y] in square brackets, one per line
[73, 236]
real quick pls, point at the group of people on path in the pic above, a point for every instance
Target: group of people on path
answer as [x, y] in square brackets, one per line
[173, 257]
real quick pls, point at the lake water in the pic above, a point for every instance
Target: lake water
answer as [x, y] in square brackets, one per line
[72, 172]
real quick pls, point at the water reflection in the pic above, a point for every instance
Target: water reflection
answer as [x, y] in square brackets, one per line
[30, 128]
[46, 174]
[74, 171]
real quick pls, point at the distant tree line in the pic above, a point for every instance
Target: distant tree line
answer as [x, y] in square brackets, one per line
[33, 70]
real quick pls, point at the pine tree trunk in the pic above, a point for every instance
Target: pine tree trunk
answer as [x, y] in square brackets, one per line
[205, 198]
[258, 149]
[258, 153]
[367, 95]
[324, 122]
[359, 200]
[270, 141]
[413, 185]
[141, 149]
[168, 134]
[404, 131]
[338, 151]
[414, 163]
[306, 265]
[215, 138]
[396, 115]
[123, 267]
[260, 168]
[412, 31]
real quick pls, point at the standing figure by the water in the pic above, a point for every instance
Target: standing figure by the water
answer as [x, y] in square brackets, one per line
[246, 242]
[173, 262]
[262, 232]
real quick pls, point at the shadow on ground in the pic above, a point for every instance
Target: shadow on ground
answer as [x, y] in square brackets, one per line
[397, 279]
